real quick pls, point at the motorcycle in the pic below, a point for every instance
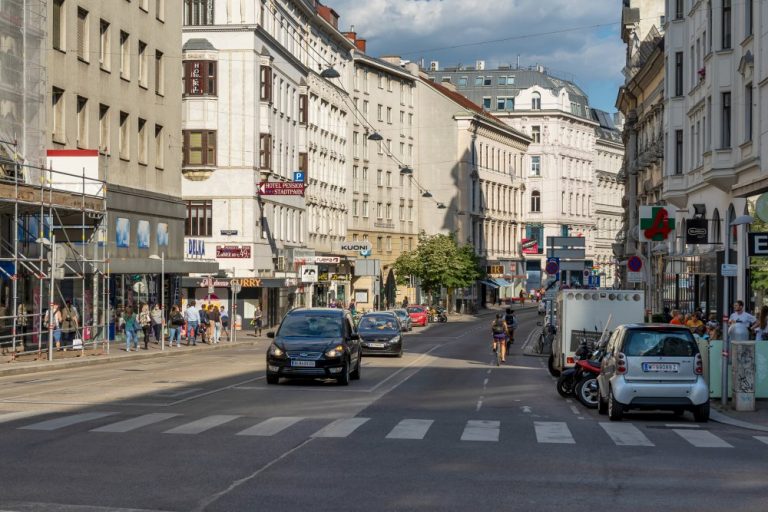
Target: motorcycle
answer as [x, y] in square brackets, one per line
[442, 315]
[566, 382]
[586, 388]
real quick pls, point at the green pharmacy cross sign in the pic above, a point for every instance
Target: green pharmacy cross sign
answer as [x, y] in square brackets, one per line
[656, 223]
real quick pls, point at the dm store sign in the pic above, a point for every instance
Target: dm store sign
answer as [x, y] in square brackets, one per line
[195, 248]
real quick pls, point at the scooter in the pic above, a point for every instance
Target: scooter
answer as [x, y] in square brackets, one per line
[566, 383]
[586, 388]
[442, 316]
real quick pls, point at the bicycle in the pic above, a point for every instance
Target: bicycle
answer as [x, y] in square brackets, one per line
[498, 339]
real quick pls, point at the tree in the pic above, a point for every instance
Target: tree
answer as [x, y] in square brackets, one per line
[438, 262]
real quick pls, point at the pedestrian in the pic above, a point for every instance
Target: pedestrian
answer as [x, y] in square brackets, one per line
[257, 321]
[54, 322]
[405, 302]
[522, 297]
[760, 327]
[352, 307]
[22, 321]
[144, 323]
[214, 324]
[739, 316]
[677, 317]
[176, 321]
[694, 323]
[156, 320]
[192, 318]
[69, 324]
[225, 322]
[203, 323]
[132, 328]
[666, 315]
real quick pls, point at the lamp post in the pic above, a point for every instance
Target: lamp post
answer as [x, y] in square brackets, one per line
[738, 221]
[162, 295]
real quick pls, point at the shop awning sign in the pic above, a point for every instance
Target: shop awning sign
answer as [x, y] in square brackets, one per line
[758, 244]
[657, 223]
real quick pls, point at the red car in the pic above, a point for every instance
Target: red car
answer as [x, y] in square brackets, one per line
[418, 314]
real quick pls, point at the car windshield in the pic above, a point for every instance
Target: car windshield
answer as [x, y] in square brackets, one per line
[311, 325]
[378, 323]
[415, 310]
[661, 344]
[401, 313]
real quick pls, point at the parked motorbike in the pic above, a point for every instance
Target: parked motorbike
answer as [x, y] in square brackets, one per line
[586, 389]
[566, 383]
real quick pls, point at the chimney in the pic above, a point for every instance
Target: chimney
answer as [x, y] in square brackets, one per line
[480, 65]
[360, 44]
[328, 14]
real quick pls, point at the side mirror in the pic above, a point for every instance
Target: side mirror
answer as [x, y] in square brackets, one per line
[270, 334]
[539, 324]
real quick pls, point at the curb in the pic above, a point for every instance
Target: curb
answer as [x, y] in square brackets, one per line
[719, 417]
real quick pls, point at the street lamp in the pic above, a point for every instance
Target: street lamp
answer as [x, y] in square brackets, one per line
[738, 221]
[162, 295]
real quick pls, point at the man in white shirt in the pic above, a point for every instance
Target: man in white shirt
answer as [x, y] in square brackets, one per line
[739, 316]
[192, 317]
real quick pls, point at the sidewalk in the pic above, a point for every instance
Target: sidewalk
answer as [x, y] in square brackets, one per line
[753, 420]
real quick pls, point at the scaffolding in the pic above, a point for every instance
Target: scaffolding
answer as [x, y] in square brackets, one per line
[53, 251]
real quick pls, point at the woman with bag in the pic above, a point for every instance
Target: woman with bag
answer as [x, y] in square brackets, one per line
[156, 318]
[132, 329]
[144, 322]
[174, 330]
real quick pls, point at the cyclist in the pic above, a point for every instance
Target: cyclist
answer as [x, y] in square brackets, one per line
[511, 321]
[500, 333]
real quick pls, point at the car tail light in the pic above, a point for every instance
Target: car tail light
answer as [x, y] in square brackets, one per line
[698, 368]
[621, 364]
[570, 360]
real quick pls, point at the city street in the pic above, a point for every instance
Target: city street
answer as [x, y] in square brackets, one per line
[440, 429]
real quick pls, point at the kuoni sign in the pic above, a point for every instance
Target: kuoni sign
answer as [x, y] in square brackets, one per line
[656, 223]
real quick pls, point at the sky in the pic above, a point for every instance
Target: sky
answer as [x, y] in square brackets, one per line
[456, 32]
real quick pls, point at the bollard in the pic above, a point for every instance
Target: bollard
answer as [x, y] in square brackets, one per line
[743, 369]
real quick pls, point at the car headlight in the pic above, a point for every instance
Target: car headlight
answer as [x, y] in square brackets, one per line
[394, 340]
[276, 351]
[336, 351]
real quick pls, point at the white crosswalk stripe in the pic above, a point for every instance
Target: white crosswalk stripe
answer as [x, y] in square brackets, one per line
[271, 426]
[410, 429]
[340, 428]
[66, 421]
[625, 434]
[702, 438]
[762, 439]
[202, 425]
[553, 432]
[481, 430]
[134, 423]
[7, 417]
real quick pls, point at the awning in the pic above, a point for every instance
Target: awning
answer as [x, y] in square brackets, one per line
[502, 282]
[490, 283]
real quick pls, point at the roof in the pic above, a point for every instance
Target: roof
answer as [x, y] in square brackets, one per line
[607, 130]
[198, 43]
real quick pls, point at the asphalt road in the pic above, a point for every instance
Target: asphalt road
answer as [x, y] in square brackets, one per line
[441, 429]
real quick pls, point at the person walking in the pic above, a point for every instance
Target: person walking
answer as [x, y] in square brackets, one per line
[405, 302]
[54, 322]
[225, 322]
[132, 328]
[257, 321]
[156, 320]
[144, 322]
[677, 317]
[739, 316]
[204, 323]
[192, 317]
[176, 322]
[69, 324]
[760, 327]
[214, 328]
[22, 321]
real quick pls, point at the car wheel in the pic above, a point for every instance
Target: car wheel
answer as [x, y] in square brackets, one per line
[701, 413]
[602, 405]
[615, 409]
[564, 386]
[273, 378]
[400, 354]
[586, 392]
[355, 375]
[344, 378]
[551, 366]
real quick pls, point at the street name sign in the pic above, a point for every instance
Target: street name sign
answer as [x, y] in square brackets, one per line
[729, 270]
[634, 277]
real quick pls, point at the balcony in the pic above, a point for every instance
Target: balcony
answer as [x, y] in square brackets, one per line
[676, 190]
[197, 172]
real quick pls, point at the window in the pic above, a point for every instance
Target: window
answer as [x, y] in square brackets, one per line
[535, 166]
[379, 243]
[725, 141]
[487, 103]
[160, 10]
[82, 122]
[380, 178]
[446, 79]
[105, 56]
[104, 129]
[503, 103]
[159, 74]
[199, 148]
[381, 80]
[462, 81]
[562, 204]
[389, 115]
[749, 14]
[265, 86]
[144, 5]
[379, 211]
[389, 211]
[200, 78]
[748, 112]
[159, 149]
[199, 218]
[389, 179]
[304, 163]
[501, 80]
[125, 56]
[124, 147]
[726, 24]
[143, 71]
[679, 9]
[143, 141]
[536, 101]
[380, 112]
[59, 25]
[355, 208]
[82, 35]
[678, 151]
[487, 80]
[365, 208]
[535, 201]
[303, 108]
[536, 134]
[265, 151]
[678, 73]
[478, 80]
[198, 12]
[388, 245]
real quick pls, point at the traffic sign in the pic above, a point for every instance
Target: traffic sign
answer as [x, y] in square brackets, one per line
[236, 287]
[309, 273]
[635, 264]
[281, 188]
[565, 241]
[553, 266]
[729, 270]
[587, 273]
[298, 175]
[634, 277]
[566, 254]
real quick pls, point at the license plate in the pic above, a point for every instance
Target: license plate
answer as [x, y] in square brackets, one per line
[661, 367]
[376, 345]
[296, 362]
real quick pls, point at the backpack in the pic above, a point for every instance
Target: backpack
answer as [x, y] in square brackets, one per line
[498, 327]
[510, 320]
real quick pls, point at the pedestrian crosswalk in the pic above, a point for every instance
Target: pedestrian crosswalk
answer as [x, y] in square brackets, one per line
[624, 434]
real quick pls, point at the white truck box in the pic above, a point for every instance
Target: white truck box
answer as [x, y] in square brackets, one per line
[584, 314]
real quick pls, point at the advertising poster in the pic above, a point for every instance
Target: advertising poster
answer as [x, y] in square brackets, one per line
[142, 234]
[122, 232]
[162, 234]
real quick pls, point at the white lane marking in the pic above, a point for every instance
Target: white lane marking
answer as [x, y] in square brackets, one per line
[479, 404]
[575, 410]
[553, 432]
[202, 424]
[271, 426]
[625, 434]
[134, 423]
[481, 430]
[681, 425]
[7, 417]
[488, 372]
[568, 401]
[702, 438]
[340, 428]
[762, 439]
[485, 383]
[526, 409]
[66, 421]
[410, 429]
